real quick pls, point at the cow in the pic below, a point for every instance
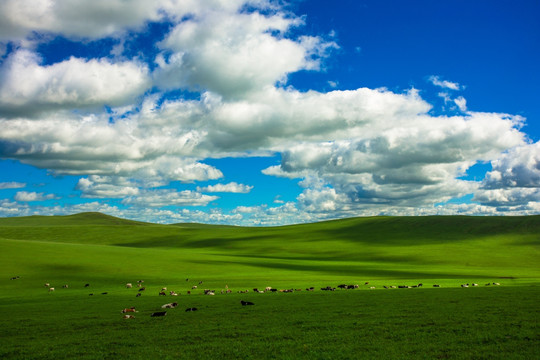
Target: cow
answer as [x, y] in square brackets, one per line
[172, 293]
[142, 289]
[51, 289]
[436, 285]
[342, 286]
[15, 278]
[129, 316]
[47, 285]
[169, 306]
[191, 309]
[268, 288]
[129, 285]
[158, 313]
[86, 285]
[164, 289]
[372, 287]
[496, 284]
[310, 289]
[65, 286]
[162, 293]
[131, 309]
[244, 303]
[473, 284]
[464, 285]
[138, 294]
[193, 287]
[104, 293]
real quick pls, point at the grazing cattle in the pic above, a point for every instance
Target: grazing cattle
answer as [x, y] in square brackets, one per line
[172, 293]
[392, 287]
[244, 303]
[86, 285]
[352, 286]
[191, 309]
[194, 287]
[131, 309]
[158, 313]
[366, 283]
[420, 285]
[129, 285]
[138, 294]
[164, 289]
[488, 284]
[328, 288]
[200, 282]
[268, 288]
[162, 293]
[464, 285]
[65, 286]
[496, 284]
[310, 289]
[342, 286]
[436, 285]
[189, 292]
[142, 289]
[104, 293]
[402, 286]
[169, 306]
[386, 287]
[51, 289]
[47, 285]
[372, 287]
[15, 278]
[129, 316]
[91, 294]
[473, 284]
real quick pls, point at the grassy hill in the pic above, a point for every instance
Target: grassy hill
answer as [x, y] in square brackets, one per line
[495, 322]
[436, 247]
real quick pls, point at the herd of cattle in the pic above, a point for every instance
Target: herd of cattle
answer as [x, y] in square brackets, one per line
[163, 292]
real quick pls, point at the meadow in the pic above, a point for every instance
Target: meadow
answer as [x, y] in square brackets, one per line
[482, 322]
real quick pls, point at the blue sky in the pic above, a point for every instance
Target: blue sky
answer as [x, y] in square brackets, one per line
[269, 112]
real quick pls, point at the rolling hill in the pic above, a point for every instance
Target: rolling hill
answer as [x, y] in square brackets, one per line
[434, 247]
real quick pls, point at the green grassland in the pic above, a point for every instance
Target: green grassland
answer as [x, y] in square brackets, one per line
[106, 252]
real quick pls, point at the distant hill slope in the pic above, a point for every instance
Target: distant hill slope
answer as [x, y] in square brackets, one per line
[389, 247]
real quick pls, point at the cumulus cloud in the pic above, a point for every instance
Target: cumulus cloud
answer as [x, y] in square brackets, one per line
[94, 19]
[234, 55]
[514, 179]
[26, 86]
[11, 185]
[26, 196]
[435, 80]
[231, 187]
[168, 197]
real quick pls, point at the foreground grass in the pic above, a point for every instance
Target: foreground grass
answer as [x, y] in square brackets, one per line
[450, 323]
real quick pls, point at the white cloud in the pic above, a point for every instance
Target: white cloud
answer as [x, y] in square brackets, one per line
[27, 87]
[232, 187]
[435, 80]
[11, 185]
[26, 196]
[96, 186]
[97, 18]
[461, 102]
[168, 197]
[234, 54]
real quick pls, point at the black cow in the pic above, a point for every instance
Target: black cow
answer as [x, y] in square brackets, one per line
[342, 286]
[158, 313]
[86, 285]
[244, 303]
[191, 309]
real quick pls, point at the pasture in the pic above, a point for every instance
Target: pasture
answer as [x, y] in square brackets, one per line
[481, 322]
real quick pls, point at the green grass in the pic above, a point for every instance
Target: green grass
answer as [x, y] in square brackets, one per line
[483, 322]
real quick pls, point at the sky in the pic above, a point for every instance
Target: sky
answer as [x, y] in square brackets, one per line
[266, 112]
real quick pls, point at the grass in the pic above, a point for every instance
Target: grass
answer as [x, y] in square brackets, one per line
[483, 322]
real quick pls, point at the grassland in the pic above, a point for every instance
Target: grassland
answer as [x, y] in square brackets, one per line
[106, 252]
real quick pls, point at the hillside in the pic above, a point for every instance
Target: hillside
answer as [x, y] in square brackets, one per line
[440, 247]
